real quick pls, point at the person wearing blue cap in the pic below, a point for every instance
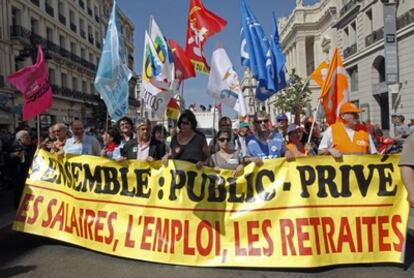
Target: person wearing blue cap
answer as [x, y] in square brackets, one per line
[282, 124]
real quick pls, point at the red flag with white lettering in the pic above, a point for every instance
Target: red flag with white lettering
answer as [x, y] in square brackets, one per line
[201, 25]
[183, 67]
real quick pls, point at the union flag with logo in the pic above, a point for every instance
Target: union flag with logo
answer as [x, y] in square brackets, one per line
[335, 89]
[201, 25]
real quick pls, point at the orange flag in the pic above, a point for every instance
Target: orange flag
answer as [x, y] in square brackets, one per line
[335, 89]
[319, 74]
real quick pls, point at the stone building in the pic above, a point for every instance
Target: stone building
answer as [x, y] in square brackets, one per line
[71, 33]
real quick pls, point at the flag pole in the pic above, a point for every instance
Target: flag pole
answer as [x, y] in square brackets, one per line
[106, 122]
[313, 122]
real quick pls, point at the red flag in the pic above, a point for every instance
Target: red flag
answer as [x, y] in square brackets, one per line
[32, 82]
[201, 25]
[183, 67]
[335, 90]
[173, 109]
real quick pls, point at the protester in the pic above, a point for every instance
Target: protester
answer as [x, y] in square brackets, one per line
[60, 132]
[295, 147]
[21, 156]
[112, 140]
[226, 158]
[401, 130]
[315, 136]
[143, 147]
[224, 123]
[188, 144]
[126, 127]
[407, 168]
[80, 143]
[347, 136]
[264, 144]
[282, 123]
[242, 134]
[47, 143]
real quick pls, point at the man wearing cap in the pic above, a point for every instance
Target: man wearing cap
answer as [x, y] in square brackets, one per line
[264, 144]
[143, 147]
[282, 124]
[347, 136]
[294, 146]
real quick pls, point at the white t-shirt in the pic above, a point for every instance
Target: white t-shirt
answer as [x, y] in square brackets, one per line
[327, 139]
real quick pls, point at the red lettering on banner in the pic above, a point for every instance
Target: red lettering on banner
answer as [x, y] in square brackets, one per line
[217, 238]
[128, 241]
[252, 238]
[59, 217]
[99, 225]
[112, 216]
[369, 221]
[287, 238]
[359, 234]
[32, 220]
[161, 238]
[267, 225]
[52, 203]
[204, 225]
[24, 206]
[315, 222]
[176, 233]
[146, 232]
[187, 249]
[89, 217]
[328, 234]
[239, 251]
[383, 233]
[303, 236]
[345, 235]
[394, 224]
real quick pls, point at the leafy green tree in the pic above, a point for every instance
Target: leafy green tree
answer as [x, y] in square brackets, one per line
[294, 97]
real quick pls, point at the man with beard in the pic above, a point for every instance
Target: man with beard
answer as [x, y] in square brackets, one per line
[80, 143]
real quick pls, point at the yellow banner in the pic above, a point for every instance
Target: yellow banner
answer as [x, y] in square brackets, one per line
[312, 212]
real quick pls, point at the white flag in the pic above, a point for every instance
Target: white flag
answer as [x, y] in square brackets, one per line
[224, 84]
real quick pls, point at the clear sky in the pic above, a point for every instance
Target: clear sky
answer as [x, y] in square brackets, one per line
[171, 16]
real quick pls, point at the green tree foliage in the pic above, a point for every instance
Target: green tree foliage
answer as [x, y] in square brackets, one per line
[292, 98]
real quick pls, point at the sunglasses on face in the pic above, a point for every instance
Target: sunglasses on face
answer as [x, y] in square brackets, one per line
[262, 121]
[224, 139]
[185, 123]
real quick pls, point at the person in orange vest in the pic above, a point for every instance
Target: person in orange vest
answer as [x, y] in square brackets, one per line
[347, 135]
[295, 146]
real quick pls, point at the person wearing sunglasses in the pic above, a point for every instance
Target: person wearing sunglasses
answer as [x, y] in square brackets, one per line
[226, 157]
[224, 123]
[264, 144]
[282, 124]
[188, 144]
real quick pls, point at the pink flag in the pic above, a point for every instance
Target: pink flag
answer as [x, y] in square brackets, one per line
[32, 81]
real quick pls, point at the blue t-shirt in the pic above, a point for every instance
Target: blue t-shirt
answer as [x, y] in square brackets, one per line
[273, 148]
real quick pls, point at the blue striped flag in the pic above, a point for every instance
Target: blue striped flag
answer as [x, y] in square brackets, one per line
[113, 74]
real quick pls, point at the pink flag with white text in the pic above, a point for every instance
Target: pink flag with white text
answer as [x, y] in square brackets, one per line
[32, 82]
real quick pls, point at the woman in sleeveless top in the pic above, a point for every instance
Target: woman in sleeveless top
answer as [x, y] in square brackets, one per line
[226, 157]
[188, 144]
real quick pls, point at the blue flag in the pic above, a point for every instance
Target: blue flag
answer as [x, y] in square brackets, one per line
[256, 53]
[279, 60]
[113, 74]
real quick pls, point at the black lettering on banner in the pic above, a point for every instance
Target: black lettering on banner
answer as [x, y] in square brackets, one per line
[233, 198]
[216, 189]
[124, 186]
[92, 181]
[112, 185]
[176, 185]
[385, 172]
[250, 188]
[142, 182]
[307, 178]
[267, 196]
[48, 174]
[76, 168]
[191, 175]
[328, 180]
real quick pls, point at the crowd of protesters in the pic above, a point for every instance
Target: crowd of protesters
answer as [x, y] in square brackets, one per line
[232, 148]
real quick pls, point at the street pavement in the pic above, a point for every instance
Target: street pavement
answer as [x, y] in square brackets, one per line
[24, 255]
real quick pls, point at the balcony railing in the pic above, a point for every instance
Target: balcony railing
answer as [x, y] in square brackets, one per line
[17, 31]
[73, 94]
[348, 6]
[405, 19]
[49, 9]
[73, 27]
[374, 37]
[36, 2]
[62, 19]
[351, 50]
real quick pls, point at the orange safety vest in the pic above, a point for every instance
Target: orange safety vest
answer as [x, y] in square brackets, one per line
[341, 141]
[292, 148]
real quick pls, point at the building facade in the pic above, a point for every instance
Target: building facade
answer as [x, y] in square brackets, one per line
[360, 32]
[71, 33]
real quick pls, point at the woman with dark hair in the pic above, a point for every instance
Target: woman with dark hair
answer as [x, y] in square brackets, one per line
[188, 144]
[226, 157]
[112, 140]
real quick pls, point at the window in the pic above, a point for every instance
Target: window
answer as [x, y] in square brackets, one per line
[62, 41]
[353, 74]
[16, 17]
[368, 15]
[64, 80]
[84, 87]
[52, 76]
[73, 47]
[74, 83]
[49, 34]
[34, 23]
